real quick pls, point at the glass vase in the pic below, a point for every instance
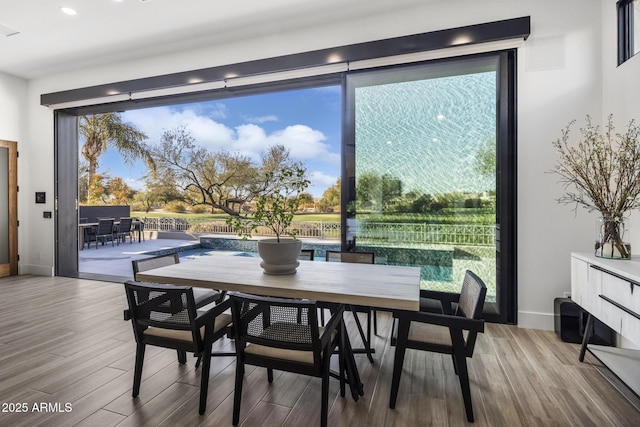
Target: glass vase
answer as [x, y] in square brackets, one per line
[610, 242]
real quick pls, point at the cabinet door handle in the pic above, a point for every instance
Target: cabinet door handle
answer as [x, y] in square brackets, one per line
[620, 306]
[632, 283]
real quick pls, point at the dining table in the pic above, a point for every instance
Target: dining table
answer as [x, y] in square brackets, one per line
[376, 285]
[136, 225]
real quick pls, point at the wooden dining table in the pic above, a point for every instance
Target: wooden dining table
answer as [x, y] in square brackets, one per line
[383, 286]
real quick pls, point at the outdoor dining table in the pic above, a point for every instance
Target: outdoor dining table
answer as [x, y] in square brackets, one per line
[136, 225]
[383, 286]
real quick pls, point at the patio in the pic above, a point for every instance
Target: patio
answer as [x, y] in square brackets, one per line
[116, 260]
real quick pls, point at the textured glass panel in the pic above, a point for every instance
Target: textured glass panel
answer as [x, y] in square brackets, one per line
[425, 157]
[4, 205]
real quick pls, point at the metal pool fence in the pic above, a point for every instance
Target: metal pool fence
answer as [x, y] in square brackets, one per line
[466, 234]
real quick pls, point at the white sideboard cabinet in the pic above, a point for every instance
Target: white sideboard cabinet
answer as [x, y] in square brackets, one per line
[609, 290]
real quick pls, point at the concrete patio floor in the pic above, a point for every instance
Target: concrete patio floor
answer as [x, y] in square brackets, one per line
[116, 260]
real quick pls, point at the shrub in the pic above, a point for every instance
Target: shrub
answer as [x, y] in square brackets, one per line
[175, 207]
[198, 209]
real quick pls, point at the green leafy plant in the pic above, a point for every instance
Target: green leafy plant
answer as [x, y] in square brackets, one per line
[275, 209]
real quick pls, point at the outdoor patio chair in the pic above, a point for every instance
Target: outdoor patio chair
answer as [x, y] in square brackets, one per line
[138, 227]
[360, 258]
[166, 316]
[453, 334]
[124, 229]
[283, 334]
[105, 232]
[88, 232]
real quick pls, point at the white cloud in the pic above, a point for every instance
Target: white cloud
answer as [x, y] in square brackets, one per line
[303, 142]
[320, 181]
[205, 130]
[263, 119]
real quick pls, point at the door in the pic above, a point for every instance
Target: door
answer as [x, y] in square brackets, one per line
[8, 208]
[66, 194]
[426, 168]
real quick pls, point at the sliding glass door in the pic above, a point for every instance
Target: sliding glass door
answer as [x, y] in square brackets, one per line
[422, 171]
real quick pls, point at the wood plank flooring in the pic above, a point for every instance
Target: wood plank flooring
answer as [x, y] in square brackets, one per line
[66, 359]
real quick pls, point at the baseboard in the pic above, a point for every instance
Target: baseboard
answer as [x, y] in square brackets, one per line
[535, 320]
[36, 270]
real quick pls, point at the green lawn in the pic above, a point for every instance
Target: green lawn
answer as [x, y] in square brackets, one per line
[461, 216]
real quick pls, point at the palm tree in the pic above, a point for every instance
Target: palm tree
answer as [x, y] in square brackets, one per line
[108, 129]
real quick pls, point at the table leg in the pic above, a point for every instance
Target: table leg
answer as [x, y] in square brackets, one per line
[351, 369]
[586, 337]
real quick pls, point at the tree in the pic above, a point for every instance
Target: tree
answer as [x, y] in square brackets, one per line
[108, 130]
[96, 190]
[330, 198]
[147, 199]
[120, 191]
[163, 187]
[277, 208]
[222, 180]
[306, 199]
[486, 159]
[377, 192]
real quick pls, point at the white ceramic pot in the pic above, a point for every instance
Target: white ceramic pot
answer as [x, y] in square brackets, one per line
[279, 257]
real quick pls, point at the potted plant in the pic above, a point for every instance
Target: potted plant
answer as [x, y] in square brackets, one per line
[275, 210]
[602, 172]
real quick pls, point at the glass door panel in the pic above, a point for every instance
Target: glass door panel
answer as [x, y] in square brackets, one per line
[421, 177]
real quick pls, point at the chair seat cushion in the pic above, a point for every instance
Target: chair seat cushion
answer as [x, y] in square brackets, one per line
[222, 321]
[300, 356]
[428, 333]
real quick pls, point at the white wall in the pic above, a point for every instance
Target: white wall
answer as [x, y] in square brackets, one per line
[559, 79]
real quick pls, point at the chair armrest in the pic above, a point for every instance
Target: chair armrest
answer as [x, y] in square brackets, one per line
[440, 295]
[450, 321]
[208, 315]
[446, 299]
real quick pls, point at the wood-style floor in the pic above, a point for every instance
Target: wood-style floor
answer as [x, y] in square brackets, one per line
[66, 359]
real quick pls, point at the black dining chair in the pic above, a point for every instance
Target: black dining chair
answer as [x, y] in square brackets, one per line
[203, 296]
[124, 229]
[105, 232]
[452, 333]
[166, 316]
[360, 258]
[88, 232]
[283, 334]
[306, 254]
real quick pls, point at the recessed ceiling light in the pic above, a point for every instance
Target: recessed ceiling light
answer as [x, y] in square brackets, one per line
[67, 10]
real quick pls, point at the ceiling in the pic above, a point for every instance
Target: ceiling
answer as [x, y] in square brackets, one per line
[46, 41]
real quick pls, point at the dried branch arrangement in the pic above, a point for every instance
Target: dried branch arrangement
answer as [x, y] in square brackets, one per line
[601, 172]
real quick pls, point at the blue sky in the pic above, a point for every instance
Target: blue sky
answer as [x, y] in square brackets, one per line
[305, 121]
